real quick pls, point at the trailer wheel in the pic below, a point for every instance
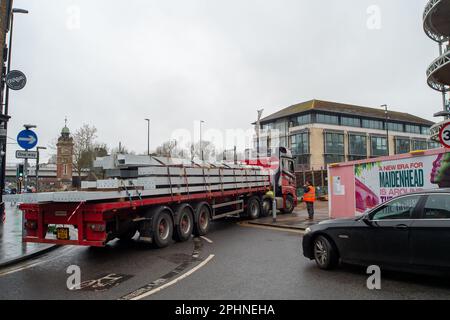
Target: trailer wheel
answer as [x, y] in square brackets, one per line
[183, 229]
[203, 218]
[162, 229]
[253, 208]
[289, 208]
[266, 207]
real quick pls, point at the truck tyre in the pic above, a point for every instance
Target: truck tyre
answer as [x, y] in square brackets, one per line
[266, 207]
[185, 223]
[289, 206]
[203, 219]
[253, 208]
[162, 229]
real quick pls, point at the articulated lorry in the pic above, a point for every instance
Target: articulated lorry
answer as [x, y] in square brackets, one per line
[160, 198]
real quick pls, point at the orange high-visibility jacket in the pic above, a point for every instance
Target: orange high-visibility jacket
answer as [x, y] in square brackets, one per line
[310, 196]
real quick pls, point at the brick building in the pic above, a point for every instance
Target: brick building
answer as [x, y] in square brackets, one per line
[64, 157]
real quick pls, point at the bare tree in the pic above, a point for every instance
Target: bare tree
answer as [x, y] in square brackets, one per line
[85, 149]
[209, 151]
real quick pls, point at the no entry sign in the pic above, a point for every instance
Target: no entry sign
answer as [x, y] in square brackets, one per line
[444, 135]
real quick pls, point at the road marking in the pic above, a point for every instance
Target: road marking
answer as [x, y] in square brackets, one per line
[206, 239]
[248, 225]
[25, 266]
[174, 281]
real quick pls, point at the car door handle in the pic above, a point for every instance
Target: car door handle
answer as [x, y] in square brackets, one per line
[401, 227]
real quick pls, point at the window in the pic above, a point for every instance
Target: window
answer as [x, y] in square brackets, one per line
[288, 165]
[394, 126]
[302, 120]
[419, 145]
[401, 208]
[434, 145]
[302, 162]
[357, 146]
[333, 158]
[379, 146]
[300, 143]
[412, 128]
[327, 119]
[334, 143]
[334, 147]
[437, 207]
[426, 131]
[350, 122]
[372, 124]
[282, 127]
[402, 145]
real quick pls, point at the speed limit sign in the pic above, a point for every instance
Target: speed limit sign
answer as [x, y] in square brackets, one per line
[444, 135]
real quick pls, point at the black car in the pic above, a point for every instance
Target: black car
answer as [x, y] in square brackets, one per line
[410, 232]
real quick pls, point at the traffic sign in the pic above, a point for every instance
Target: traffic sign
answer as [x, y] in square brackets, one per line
[444, 135]
[16, 80]
[27, 139]
[21, 154]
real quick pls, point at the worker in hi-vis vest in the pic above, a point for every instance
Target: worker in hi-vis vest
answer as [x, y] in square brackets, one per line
[309, 197]
[270, 194]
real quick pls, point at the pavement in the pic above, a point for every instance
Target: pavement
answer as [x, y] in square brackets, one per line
[12, 249]
[298, 219]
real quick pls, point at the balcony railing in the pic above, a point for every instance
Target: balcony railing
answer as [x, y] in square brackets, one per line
[431, 8]
[439, 67]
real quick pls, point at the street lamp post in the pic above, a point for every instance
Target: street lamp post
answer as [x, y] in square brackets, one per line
[201, 141]
[37, 166]
[386, 124]
[148, 136]
[5, 114]
[15, 10]
[258, 130]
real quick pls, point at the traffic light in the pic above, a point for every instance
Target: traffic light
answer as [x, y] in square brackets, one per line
[20, 168]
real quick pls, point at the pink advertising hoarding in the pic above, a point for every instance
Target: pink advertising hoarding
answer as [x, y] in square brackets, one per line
[355, 187]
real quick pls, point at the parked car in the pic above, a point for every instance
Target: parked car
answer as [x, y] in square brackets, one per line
[410, 232]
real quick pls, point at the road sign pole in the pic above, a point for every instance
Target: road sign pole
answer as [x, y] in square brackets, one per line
[37, 171]
[25, 175]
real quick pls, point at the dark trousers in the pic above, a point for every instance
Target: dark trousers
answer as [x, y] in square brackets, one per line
[310, 207]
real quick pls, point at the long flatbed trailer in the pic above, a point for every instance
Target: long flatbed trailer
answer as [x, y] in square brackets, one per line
[162, 200]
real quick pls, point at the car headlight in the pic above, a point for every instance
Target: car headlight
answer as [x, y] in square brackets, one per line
[307, 230]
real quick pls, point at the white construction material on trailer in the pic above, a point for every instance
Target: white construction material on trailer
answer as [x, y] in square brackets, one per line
[157, 176]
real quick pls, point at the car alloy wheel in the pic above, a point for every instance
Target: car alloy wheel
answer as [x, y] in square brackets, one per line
[321, 252]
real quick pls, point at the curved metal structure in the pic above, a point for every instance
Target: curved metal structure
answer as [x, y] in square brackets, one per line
[438, 73]
[436, 23]
[436, 20]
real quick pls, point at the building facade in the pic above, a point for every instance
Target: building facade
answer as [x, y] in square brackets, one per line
[64, 157]
[320, 133]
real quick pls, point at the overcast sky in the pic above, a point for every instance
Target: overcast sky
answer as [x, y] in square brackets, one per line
[113, 63]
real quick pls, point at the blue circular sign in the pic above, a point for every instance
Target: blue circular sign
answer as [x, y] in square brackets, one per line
[27, 139]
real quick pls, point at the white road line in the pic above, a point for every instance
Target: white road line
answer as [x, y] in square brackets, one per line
[206, 239]
[168, 284]
[29, 266]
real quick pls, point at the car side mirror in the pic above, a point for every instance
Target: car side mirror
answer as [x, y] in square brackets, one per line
[367, 221]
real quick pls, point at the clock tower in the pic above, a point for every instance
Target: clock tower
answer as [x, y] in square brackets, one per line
[64, 157]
